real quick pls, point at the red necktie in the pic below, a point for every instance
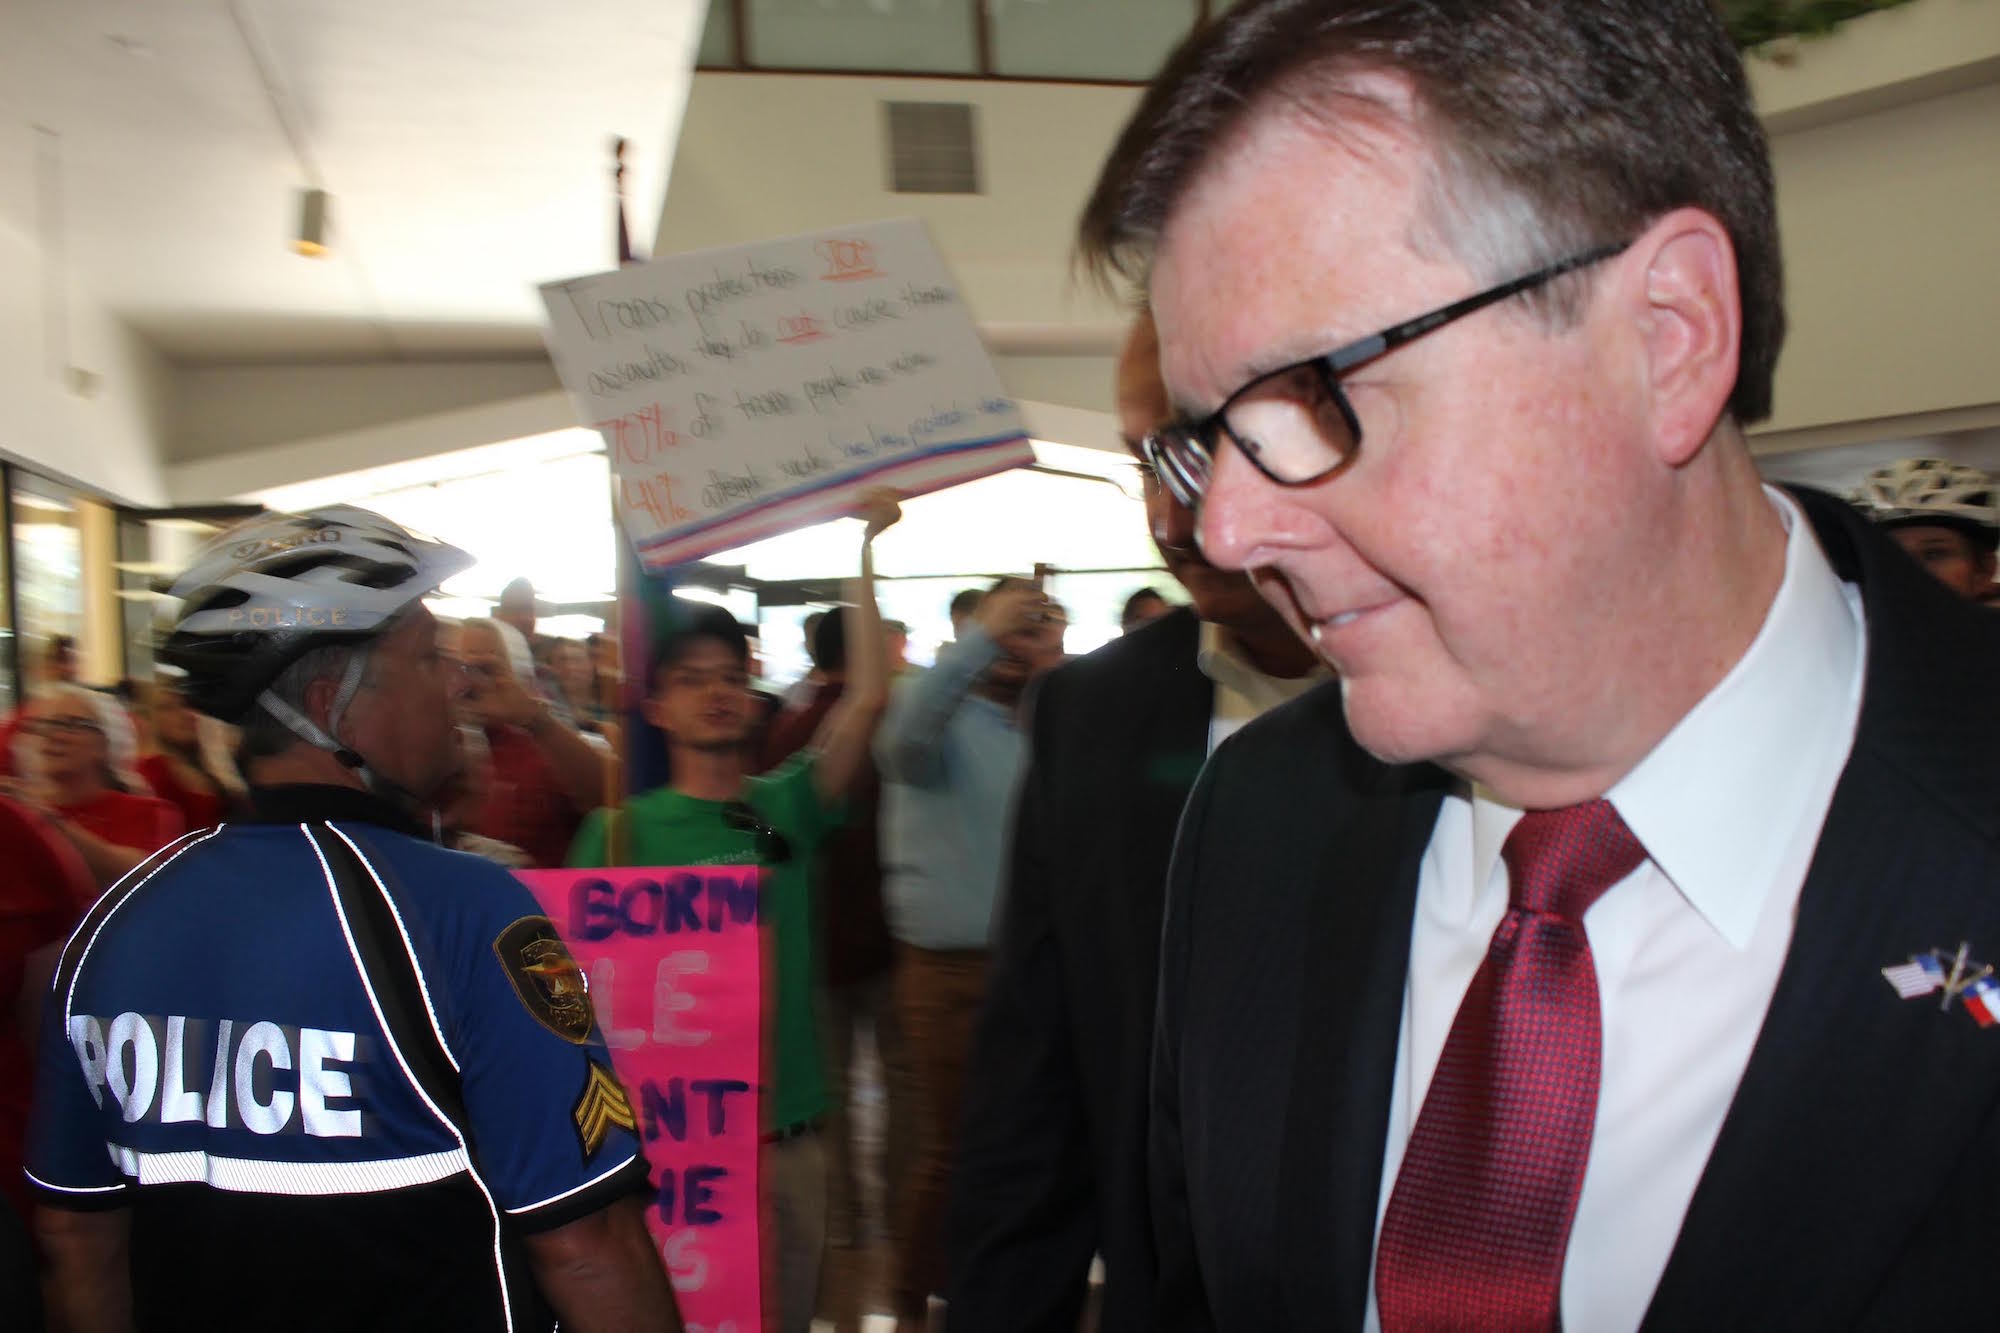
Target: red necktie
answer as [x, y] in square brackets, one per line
[1479, 1219]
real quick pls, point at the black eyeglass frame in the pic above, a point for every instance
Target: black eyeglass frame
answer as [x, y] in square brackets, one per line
[1182, 455]
[772, 847]
[72, 726]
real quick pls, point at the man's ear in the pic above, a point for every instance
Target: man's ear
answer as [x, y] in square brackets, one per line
[1692, 314]
[319, 699]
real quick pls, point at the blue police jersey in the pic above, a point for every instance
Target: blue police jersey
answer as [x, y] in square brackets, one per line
[220, 1022]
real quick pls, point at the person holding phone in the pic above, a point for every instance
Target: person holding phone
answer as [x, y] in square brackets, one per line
[544, 776]
[949, 753]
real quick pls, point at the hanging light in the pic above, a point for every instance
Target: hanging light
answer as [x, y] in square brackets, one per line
[311, 240]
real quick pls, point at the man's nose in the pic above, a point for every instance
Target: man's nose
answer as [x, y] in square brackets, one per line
[1236, 510]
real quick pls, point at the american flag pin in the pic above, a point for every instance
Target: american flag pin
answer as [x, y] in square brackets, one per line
[1957, 975]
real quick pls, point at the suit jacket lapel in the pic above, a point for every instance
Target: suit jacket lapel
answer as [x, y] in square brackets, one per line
[1364, 891]
[1856, 1105]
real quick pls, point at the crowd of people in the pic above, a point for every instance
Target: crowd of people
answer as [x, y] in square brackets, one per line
[1469, 910]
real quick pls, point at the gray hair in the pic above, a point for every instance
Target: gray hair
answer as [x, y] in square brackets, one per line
[264, 734]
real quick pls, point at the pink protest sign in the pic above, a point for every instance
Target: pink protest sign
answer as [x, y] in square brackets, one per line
[675, 963]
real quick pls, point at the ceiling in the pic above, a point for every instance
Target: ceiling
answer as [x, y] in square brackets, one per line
[1110, 40]
[155, 150]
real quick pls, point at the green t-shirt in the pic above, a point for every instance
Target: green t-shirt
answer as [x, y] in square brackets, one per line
[666, 828]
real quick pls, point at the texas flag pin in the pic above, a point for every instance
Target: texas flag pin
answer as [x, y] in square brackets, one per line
[1957, 975]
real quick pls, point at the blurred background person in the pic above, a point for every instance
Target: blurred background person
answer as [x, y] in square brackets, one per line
[963, 603]
[45, 888]
[55, 665]
[949, 753]
[517, 607]
[576, 680]
[717, 810]
[79, 770]
[607, 673]
[1052, 1158]
[545, 775]
[1944, 514]
[897, 647]
[857, 995]
[176, 767]
[1142, 607]
[801, 691]
[464, 797]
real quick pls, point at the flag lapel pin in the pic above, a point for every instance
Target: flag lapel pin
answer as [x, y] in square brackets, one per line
[1957, 975]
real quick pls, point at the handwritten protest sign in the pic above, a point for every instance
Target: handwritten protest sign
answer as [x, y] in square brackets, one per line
[675, 965]
[747, 391]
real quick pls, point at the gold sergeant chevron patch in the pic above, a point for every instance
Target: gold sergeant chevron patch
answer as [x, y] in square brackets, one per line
[602, 1105]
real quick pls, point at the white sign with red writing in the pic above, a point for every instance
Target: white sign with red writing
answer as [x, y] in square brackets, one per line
[748, 391]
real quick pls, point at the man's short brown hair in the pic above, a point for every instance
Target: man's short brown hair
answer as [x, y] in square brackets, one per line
[1557, 125]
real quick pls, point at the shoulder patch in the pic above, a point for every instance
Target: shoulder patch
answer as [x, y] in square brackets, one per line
[546, 978]
[602, 1105]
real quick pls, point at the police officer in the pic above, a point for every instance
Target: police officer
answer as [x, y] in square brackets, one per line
[309, 1070]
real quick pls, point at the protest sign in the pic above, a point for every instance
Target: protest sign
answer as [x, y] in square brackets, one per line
[746, 391]
[674, 962]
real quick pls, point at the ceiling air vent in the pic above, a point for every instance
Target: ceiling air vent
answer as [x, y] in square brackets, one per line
[931, 150]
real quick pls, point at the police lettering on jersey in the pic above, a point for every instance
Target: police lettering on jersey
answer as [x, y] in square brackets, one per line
[268, 1078]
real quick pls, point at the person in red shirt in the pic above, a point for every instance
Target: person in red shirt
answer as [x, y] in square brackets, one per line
[545, 775]
[44, 889]
[175, 770]
[58, 667]
[67, 734]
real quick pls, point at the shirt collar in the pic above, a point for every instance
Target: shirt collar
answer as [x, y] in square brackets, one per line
[1747, 759]
[308, 802]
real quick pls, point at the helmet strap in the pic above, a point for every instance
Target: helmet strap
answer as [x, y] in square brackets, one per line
[327, 738]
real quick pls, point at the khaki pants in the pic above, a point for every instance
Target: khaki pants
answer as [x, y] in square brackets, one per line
[938, 995]
[846, 1010]
[794, 1189]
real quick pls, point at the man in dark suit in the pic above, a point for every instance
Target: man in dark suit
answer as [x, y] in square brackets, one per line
[1533, 979]
[1051, 1163]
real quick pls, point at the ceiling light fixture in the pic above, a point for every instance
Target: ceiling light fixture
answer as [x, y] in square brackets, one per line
[311, 240]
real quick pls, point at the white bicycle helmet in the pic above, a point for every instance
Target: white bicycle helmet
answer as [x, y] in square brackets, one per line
[263, 594]
[1931, 490]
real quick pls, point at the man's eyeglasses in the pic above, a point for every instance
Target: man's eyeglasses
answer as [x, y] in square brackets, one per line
[1295, 423]
[773, 848]
[72, 726]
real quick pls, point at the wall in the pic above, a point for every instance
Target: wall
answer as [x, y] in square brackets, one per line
[1891, 225]
[104, 440]
[1886, 140]
[775, 155]
[227, 408]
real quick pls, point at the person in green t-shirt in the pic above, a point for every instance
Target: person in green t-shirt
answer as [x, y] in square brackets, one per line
[715, 812]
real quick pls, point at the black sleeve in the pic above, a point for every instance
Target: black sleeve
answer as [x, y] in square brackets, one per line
[1023, 1223]
[1181, 1301]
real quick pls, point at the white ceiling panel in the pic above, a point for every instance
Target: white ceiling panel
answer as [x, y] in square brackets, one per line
[466, 148]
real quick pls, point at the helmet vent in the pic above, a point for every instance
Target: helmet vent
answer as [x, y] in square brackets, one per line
[369, 573]
[223, 599]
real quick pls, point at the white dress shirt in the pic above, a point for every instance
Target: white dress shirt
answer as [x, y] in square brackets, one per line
[1241, 690]
[1688, 946]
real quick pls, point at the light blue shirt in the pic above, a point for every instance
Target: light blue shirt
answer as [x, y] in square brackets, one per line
[949, 761]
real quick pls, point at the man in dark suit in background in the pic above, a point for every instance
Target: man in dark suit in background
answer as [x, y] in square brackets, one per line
[1051, 1165]
[1535, 979]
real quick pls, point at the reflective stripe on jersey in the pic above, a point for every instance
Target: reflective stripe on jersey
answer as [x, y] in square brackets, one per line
[296, 1178]
[416, 1085]
[115, 897]
[409, 949]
